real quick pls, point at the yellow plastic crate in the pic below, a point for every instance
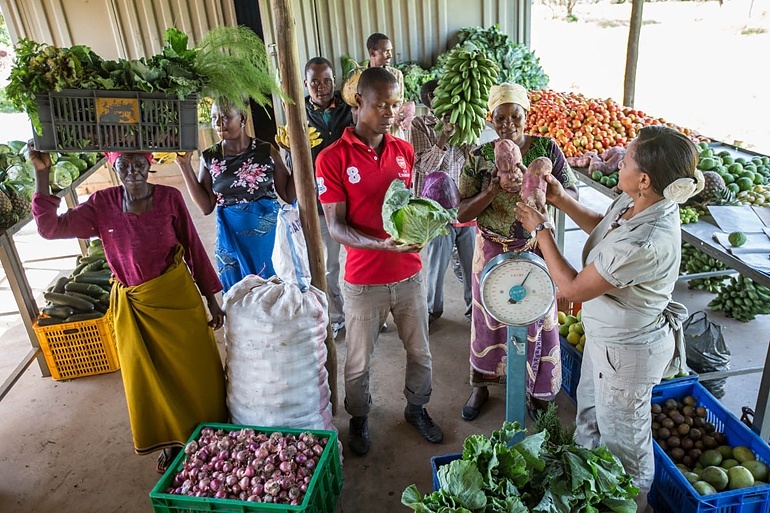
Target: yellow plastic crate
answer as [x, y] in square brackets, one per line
[77, 349]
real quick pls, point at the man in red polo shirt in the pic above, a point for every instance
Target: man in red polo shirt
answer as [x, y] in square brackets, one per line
[381, 276]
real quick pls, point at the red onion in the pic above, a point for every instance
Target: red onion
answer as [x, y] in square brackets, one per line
[258, 489]
[300, 458]
[269, 468]
[231, 480]
[244, 483]
[303, 487]
[203, 484]
[310, 464]
[236, 489]
[221, 494]
[287, 467]
[294, 493]
[242, 496]
[272, 487]
[227, 467]
[253, 498]
[219, 464]
[249, 471]
[191, 447]
[294, 502]
[267, 498]
[318, 450]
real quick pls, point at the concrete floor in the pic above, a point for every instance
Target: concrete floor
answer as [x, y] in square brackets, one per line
[67, 445]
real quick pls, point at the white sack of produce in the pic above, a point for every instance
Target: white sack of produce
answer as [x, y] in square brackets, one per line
[274, 334]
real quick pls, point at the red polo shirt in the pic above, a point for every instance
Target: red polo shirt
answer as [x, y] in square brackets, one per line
[351, 172]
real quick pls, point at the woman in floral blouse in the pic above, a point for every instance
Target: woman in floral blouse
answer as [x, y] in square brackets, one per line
[242, 177]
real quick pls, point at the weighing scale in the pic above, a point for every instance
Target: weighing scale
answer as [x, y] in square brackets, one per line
[516, 290]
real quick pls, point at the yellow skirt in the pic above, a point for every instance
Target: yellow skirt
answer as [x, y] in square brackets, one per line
[172, 372]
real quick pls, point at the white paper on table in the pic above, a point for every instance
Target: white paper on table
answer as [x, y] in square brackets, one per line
[758, 261]
[755, 243]
[736, 219]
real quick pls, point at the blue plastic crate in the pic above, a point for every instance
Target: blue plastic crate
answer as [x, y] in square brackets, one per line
[571, 360]
[672, 493]
[437, 461]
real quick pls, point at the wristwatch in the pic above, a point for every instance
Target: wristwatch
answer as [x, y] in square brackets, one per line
[548, 225]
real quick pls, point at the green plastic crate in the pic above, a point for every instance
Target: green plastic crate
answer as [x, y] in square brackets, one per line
[321, 497]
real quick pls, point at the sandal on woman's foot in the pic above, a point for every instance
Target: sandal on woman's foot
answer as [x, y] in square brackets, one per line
[535, 405]
[471, 410]
[165, 458]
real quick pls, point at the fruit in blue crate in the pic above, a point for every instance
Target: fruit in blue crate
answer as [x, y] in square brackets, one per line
[715, 476]
[758, 469]
[739, 477]
[703, 488]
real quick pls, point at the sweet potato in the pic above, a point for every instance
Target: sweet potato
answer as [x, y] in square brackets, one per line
[507, 160]
[597, 164]
[534, 186]
[614, 158]
[581, 161]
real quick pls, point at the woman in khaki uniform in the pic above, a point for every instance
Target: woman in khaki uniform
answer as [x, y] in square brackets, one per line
[630, 265]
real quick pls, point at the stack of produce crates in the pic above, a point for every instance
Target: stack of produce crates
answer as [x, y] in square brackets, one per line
[673, 493]
[322, 493]
[91, 120]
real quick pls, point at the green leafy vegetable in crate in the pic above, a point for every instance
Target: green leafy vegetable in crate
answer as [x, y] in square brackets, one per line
[228, 61]
[249, 466]
[532, 475]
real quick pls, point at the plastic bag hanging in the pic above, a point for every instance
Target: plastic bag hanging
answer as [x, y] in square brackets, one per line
[290, 259]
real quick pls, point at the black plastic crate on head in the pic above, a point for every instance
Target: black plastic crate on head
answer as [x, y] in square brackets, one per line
[90, 120]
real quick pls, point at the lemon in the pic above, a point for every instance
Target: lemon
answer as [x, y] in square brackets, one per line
[563, 330]
[580, 348]
[580, 315]
[571, 319]
[578, 328]
[562, 317]
[573, 338]
[582, 339]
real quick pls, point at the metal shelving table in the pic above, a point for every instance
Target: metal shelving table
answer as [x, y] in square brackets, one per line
[17, 279]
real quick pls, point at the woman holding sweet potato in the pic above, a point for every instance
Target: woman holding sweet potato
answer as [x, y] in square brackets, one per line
[491, 185]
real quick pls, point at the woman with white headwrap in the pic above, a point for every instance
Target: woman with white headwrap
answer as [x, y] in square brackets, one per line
[630, 265]
[498, 231]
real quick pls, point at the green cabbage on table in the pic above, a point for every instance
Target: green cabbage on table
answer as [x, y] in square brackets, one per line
[413, 220]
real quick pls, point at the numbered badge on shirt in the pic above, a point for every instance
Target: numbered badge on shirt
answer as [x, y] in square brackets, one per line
[353, 175]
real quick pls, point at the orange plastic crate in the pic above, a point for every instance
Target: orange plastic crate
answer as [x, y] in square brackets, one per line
[77, 349]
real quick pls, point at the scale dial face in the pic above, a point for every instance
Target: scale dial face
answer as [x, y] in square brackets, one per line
[517, 289]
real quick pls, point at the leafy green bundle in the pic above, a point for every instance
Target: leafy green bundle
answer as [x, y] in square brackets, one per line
[517, 62]
[229, 62]
[494, 476]
[413, 220]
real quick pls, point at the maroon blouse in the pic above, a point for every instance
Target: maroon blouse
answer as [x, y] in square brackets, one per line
[138, 247]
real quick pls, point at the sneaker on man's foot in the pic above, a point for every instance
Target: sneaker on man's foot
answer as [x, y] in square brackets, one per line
[425, 425]
[358, 435]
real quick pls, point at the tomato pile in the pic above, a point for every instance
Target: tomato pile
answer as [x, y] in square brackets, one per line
[580, 124]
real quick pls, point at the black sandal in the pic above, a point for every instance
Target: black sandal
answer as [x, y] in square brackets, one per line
[165, 458]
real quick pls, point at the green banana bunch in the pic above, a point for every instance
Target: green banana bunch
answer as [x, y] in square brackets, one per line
[695, 261]
[742, 299]
[688, 215]
[462, 93]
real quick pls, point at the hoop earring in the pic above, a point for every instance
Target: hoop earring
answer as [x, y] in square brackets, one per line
[639, 195]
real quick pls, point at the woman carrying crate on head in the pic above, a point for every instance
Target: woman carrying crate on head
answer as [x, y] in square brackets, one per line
[242, 177]
[172, 373]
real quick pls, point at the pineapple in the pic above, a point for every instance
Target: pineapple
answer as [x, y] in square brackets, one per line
[713, 183]
[6, 207]
[21, 206]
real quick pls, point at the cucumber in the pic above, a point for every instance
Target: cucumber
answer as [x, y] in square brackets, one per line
[79, 268]
[60, 312]
[85, 317]
[84, 297]
[94, 266]
[105, 299]
[60, 283]
[69, 300]
[89, 289]
[106, 266]
[90, 258]
[96, 278]
[49, 321]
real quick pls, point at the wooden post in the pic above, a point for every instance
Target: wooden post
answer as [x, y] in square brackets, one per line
[632, 53]
[301, 157]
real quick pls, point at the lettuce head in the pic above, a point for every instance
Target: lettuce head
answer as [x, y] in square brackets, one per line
[413, 220]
